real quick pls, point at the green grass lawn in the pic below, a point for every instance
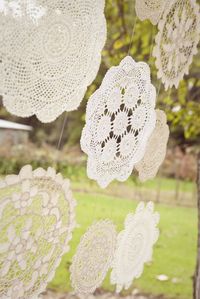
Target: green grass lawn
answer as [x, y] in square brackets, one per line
[174, 253]
[78, 173]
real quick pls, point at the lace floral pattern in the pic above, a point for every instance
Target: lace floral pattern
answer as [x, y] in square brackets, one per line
[176, 41]
[155, 150]
[120, 118]
[150, 9]
[49, 57]
[36, 221]
[93, 257]
[134, 245]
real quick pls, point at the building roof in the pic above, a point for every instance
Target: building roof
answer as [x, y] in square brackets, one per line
[4, 124]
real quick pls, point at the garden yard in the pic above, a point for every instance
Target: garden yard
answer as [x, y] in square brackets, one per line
[171, 272]
[174, 254]
[94, 89]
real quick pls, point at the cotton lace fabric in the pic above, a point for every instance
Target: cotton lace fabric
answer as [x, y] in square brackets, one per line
[176, 41]
[120, 118]
[134, 245]
[150, 9]
[37, 219]
[156, 149]
[50, 52]
[93, 257]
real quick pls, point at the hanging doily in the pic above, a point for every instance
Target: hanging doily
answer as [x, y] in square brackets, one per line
[150, 9]
[134, 245]
[120, 117]
[176, 41]
[93, 257]
[36, 222]
[49, 58]
[156, 149]
[28, 10]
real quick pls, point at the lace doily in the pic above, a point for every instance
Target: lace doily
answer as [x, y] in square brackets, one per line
[120, 118]
[150, 9]
[28, 10]
[36, 222]
[134, 245]
[155, 150]
[176, 41]
[93, 257]
[50, 56]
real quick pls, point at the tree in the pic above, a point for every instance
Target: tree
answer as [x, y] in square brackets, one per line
[196, 293]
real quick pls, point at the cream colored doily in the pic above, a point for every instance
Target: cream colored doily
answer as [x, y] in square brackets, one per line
[93, 257]
[155, 150]
[176, 41]
[36, 222]
[150, 9]
[134, 246]
[50, 52]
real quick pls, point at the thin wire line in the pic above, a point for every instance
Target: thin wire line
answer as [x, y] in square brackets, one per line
[60, 140]
[151, 46]
[132, 35]
[62, 131]
[158, 89]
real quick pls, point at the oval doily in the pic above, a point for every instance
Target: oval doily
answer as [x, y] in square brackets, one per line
[150, 9]
[36, 222]
[93, 257]
[134, 245]
[176, 41]
[48, 64]
[156, 149]
[120, 118]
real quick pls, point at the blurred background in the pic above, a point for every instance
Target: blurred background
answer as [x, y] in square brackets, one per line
[28, 141]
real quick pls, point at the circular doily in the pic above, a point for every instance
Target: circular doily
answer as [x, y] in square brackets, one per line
[120, 118]
[150, 9]
[36, 222]
[48, 63]
[156, 149]
[93, 257]
[176, 41]
[134, 245]
[26, 10]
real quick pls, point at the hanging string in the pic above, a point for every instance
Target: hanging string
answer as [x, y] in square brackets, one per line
[60, 140]
[151, 46]
[132, 35]
[62, 131]
[158, 88]
[160, 171]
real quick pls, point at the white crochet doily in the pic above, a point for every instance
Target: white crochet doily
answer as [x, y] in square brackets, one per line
[120, 118]
[134, 245]
[26, 10]
[176, 41]
[36, 222]
[150, 9]
[49, 58]
[93, 257]
[156, 149]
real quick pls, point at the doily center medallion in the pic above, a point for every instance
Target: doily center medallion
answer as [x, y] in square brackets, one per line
[37, 219]
[56, 40]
